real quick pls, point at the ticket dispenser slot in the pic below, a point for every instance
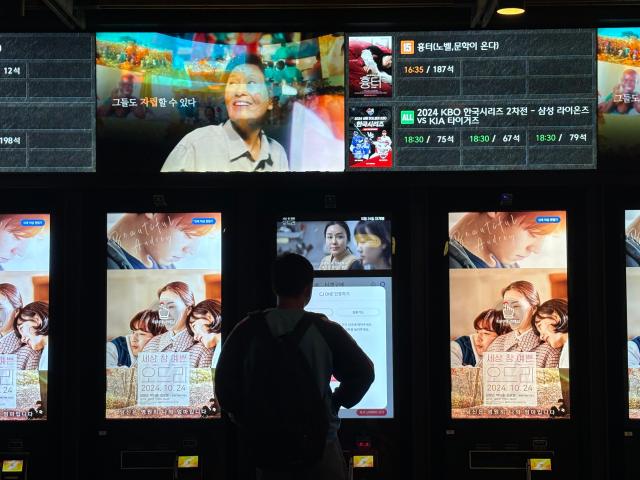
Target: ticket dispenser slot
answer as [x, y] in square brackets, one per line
[188, 467]
[505, 459]
[14, 466]
[364, 461]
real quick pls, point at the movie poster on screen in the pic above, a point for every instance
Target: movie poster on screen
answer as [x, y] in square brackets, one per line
[164, 314]
[509, 315]
[370, 134]
[632, 251]
[371, 66]
[24, 316]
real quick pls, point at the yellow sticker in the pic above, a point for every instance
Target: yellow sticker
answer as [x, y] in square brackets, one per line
[12, 466]
[540, 463]
[188, 461]
[368, 239]
[363, 461]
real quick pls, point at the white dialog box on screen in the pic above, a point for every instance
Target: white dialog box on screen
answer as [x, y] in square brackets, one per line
[163, 379]
[510, 379]
[362, 311]
[8, 369]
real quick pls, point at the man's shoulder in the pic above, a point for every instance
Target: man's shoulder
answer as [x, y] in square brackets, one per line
[203, 134]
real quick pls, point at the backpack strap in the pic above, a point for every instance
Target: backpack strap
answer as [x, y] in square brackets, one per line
[295, 336]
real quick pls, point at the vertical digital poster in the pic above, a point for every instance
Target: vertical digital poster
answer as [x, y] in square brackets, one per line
[352, 258]
[24, 316]
[619, 93]
[509, 315]
[164, 314]
[632, 255]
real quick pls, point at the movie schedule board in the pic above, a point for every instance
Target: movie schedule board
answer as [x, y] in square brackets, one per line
[47, 106]
[632, 254]
[164, 315]
[472, 100]
[24, 316]
[509, 315]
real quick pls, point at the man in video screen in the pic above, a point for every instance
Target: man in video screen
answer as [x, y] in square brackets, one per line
[240, 144]
[624, 98]
[222, 102]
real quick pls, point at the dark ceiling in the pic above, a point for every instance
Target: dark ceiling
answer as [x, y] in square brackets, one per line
[261, 15]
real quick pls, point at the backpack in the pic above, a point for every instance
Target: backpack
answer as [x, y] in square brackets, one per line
[285, 420]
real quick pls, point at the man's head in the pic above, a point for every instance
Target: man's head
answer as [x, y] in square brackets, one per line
[292, 277]
[629, 80]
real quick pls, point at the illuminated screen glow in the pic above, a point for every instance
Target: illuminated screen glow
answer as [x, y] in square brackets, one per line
[337, 245]
[163, 314]
[189, 99]
[618, 93]
[632, 249]
[509, 316]
[24, 316]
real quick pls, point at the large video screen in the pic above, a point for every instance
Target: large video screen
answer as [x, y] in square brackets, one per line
[352, 257]
[490, 100]
[632, 250]
[335, 245]
[47, 102]
[164, 314]
[221, 102]
[24, 316]
[509, 315]
[619, 92]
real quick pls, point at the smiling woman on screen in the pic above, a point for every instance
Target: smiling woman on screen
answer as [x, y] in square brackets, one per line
[239, 144]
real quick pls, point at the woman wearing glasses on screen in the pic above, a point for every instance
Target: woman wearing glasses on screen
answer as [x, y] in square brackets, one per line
[337, 237]
[374, 244]
[123, 351]
[520, 301]
[499, 239]
[240, 144]
[176, 302]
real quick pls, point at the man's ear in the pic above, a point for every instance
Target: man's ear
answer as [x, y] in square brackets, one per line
[307, 292]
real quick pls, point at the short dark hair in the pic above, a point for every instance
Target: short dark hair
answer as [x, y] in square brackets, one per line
[33, 312]
[381, 230]
[560, 307]
[147, 321]
[245, 59]
[291, 274]
[492, 320]
[201, 309]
